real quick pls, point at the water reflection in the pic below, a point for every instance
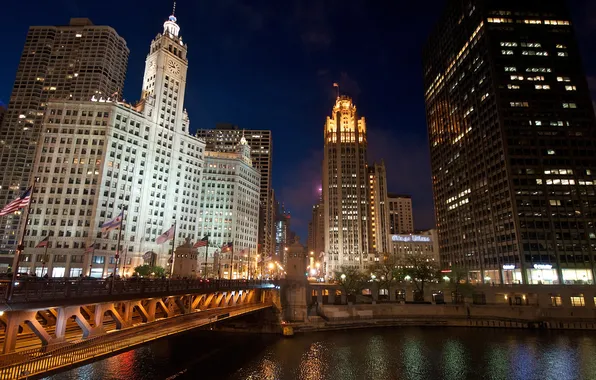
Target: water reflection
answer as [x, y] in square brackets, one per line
[399, 353]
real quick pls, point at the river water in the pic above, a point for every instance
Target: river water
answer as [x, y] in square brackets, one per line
[377, 354]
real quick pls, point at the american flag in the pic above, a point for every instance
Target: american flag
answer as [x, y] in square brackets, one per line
[20, 202]
[202, 243]
[168, 235]
[227, 246]
[90, 248]
[44, 243]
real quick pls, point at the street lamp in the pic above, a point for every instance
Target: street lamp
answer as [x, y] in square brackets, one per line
[343, 276]
[407, 278]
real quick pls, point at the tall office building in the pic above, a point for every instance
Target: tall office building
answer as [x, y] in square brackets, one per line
[513, 142]
[345, 188]
[316, 230]
[401, 218]
[2, 112]
[282, 232]
[225, 138]
[229, 210]
[100, 158]
[72, 62]
[378, 210]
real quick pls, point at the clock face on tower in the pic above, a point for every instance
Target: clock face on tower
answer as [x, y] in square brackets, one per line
[174, 67]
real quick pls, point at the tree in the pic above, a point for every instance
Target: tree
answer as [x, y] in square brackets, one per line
[148, 270]
[386, 272]
[459, 284]
[420, 269]
[352, 280]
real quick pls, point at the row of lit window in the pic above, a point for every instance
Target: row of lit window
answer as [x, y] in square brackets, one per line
[501, 20]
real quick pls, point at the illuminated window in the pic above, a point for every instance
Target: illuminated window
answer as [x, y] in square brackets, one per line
[500, 20]
[531, 44]
[542, 87]
[556, 22]
[519, 104]
[510, 68]
[509, 44]
[578, 301]
[537, 53]
[555, 202]
[559, 46]
[536, 78]
[507, 52]
[569, 105]
[517, 77]
[563, 79]
[538, 70]
[513, 87]
[556, 301]
[533, 22]
[550, 152]
[570, 88]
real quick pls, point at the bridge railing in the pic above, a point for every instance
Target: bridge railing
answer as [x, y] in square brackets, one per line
[30, 290]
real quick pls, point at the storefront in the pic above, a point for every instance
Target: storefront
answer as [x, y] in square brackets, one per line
[577, 276]
[491, 276]
[542, 274]
[511, 274]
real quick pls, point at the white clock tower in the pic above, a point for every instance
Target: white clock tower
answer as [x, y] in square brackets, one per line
[164, 81]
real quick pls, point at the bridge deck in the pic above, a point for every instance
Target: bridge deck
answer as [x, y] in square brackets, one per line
[24, 364]
[40, 293]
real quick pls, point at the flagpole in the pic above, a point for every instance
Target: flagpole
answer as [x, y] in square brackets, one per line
[232, 261]
[21, 245]
[206, 255]
[248, 266]
[117, 256]
[173, 247]
[124, 262]
[45, 254]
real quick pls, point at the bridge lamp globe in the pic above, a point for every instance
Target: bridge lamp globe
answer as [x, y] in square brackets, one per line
[407, 278]
[343, 276]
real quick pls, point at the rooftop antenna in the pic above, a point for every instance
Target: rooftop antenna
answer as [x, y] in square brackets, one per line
[174, 9]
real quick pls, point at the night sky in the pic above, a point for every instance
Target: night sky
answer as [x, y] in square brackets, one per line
[268, 64]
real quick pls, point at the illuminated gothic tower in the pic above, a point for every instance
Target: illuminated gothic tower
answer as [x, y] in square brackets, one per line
[344, 188]
[164, 81]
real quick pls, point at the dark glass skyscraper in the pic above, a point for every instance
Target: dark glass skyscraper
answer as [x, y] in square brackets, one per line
[512, 138]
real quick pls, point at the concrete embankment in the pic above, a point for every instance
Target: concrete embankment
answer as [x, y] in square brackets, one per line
[337, 317]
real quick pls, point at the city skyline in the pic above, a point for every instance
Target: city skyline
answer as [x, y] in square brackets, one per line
[231, 77]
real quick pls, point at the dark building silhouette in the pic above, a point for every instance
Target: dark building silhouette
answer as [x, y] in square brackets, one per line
[512, 139]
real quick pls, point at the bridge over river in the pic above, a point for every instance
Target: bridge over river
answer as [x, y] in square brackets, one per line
[52, 323]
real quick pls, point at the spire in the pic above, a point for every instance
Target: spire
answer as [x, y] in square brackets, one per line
[170, 27]
[243, 139]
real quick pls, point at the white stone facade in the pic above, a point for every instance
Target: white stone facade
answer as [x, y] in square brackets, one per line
[229, 210]
[98, 158]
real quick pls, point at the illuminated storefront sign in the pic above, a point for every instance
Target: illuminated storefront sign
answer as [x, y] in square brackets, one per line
[543, 266]
[509, 266]
[411, 238]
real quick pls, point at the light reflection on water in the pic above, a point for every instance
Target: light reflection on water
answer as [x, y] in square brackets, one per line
[393, 353]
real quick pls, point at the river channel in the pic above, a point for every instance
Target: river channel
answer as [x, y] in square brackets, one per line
[390, 353]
